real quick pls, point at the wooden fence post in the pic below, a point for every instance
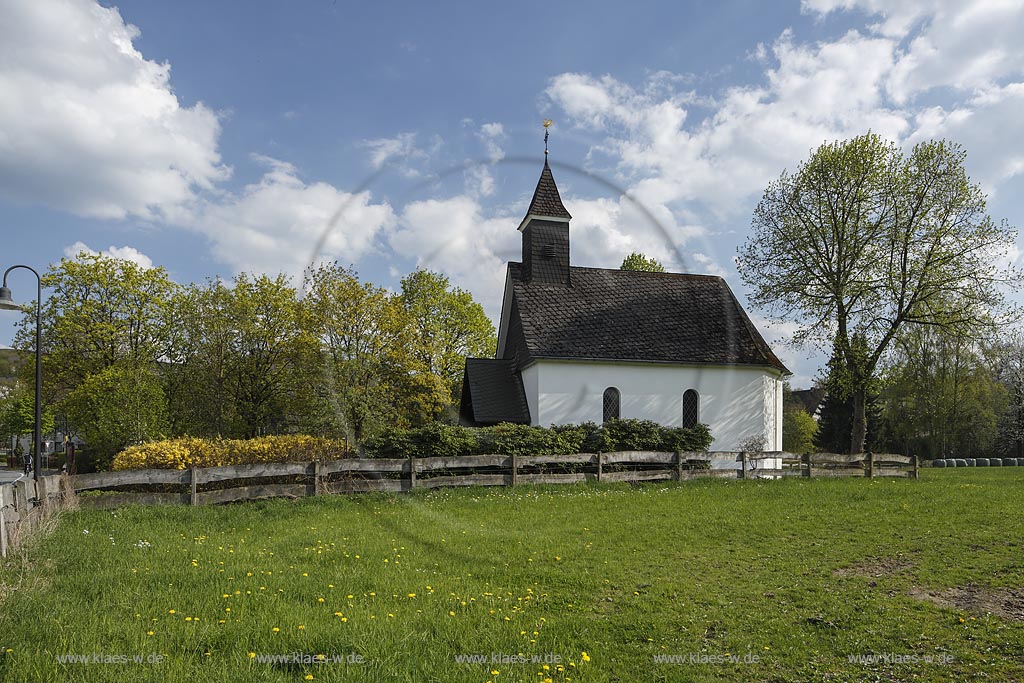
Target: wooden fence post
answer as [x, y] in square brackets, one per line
[21, 502]
[600, 465]
[871, 465]
[679, 465]
[412, 472]
[743, 464]
[515, 469]
[807, 465]
[3, 522]
[193, 498]
[43, 493]
[917, 466]
[318, 484]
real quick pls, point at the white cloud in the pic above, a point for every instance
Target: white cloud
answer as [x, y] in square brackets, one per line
[453, 236]
[402, 152]
[87, 124]
[492, 134]
[276, 224]
[125, 253]
[967, 46]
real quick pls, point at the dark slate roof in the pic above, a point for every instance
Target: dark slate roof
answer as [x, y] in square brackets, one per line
[810, 399]
[636, 316]
[492, 392]
[546, 200]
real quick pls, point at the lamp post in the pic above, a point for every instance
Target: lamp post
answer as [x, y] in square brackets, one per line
[7, 304]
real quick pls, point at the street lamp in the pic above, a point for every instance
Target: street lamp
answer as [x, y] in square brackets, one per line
[7, 304]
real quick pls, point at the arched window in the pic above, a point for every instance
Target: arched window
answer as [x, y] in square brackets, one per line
[611, 404]
[691, 409]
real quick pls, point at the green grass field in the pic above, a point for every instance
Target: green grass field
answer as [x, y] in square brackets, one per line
[585, 583]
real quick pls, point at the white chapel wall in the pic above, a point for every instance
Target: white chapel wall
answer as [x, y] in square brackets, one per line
[738, 403]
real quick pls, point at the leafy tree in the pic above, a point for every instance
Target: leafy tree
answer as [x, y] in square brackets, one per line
[119, 406]
[862, 241]
[1006, 359]
[360, 344]
[232, 361]
[798, 426]
[942, 399]
[101, 311]
[836, 413]
[449, 327]
[637, 261]
[18, 413]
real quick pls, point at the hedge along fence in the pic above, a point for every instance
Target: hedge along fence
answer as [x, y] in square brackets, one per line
[211, 485]
[439, 440]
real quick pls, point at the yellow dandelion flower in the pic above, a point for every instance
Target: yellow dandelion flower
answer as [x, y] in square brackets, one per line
[302, 627]
[148, 633]
[451, 613]
[585, 657]
[276, 629]
[252, 655]
[170, 611]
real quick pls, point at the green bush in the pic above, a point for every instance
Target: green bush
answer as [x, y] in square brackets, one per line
[515, 439]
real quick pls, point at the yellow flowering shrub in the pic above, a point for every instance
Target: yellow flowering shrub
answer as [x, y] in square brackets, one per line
[185, 452]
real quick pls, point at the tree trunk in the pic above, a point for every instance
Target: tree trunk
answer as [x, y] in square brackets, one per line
[859, 425]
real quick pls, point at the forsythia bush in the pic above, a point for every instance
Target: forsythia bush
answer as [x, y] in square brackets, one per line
[180, 454]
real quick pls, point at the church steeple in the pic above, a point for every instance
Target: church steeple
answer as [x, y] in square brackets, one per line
[547, 203]
[546, 231]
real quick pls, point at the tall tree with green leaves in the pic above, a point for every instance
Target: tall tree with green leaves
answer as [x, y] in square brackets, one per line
[863, 240]
[232, 367]
[361, 343]
[942, 398]
[448, 325]
[637, 261]
[100, 311]
[121, 405]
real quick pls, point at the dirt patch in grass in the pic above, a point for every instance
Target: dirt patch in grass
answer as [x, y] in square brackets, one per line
[877, 567]
[1005, 603]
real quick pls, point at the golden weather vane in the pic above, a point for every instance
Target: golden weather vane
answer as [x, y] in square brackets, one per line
[547, 124]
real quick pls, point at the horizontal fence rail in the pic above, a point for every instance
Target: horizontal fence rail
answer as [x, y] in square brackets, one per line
[25, 502]
[213, 485]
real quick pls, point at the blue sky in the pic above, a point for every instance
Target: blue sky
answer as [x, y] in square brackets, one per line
[210, 138]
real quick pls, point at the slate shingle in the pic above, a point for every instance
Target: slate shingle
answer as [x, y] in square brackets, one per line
[492, 392]
[546, 200]
[628, 315]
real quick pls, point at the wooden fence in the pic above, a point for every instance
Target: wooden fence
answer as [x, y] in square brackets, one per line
[26, 503]
[21, 504]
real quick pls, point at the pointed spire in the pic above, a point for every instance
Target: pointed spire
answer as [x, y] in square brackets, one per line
[546, 200]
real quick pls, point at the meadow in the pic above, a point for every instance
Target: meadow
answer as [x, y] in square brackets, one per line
[705, 580]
